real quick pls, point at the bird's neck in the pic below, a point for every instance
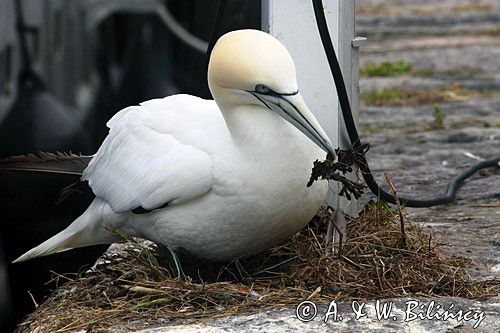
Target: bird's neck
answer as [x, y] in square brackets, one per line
[251, 124]
[256, 130]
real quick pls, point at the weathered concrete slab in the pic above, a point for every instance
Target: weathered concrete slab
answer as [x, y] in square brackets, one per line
[403, 317]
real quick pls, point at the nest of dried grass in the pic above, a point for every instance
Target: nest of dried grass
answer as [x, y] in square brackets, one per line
[146, 284]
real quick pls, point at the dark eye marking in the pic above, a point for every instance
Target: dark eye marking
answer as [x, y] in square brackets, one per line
[265, 90]
[262, 89]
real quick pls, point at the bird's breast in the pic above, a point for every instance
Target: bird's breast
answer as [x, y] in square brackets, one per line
[259, 197]
[268, 189]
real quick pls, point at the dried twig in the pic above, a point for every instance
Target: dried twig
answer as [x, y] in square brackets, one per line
[33, 299]
[314, 293]
[341, 238]
[429, 246]
[400, 210]
[329, 230]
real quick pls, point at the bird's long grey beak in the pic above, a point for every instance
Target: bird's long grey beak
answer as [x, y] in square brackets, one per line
[293, 108]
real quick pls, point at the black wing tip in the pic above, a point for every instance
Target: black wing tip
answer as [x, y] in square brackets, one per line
[78, 187]
[140, 210]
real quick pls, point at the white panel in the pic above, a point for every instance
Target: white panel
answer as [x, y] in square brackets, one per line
[293, 23]
[349, 62]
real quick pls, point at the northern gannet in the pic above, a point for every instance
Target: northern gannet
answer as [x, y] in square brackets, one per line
[222, 179]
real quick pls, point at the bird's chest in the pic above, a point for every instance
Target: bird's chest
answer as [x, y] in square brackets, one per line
[270, 185]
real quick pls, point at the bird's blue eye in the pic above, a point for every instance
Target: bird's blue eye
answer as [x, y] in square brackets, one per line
[260, 88]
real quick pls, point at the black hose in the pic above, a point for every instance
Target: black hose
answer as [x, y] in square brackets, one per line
[354, 137]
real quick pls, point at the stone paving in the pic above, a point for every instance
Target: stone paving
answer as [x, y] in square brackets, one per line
[421, 160]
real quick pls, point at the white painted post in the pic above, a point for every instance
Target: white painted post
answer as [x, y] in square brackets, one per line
[294, 24]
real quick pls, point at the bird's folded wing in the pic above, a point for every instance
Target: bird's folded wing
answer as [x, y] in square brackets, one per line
[148, 159]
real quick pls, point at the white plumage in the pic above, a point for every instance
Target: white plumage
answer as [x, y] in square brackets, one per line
[157, 153]
[222, 179]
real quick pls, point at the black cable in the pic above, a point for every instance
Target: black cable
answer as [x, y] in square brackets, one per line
[202, 89]
[354, 137]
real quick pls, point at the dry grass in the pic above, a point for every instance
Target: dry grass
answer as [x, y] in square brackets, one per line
[402, 97]
[474, 6]
[494, 32]
[142, 283]
[428, 10]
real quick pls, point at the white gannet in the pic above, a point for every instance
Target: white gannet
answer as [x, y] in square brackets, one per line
[222, 179]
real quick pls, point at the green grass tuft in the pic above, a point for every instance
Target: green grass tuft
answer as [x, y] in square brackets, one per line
[439, 117]
[386, 68]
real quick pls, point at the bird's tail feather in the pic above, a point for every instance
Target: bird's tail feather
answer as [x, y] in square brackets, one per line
[86, 230]
[63, 241]
[63, 163]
